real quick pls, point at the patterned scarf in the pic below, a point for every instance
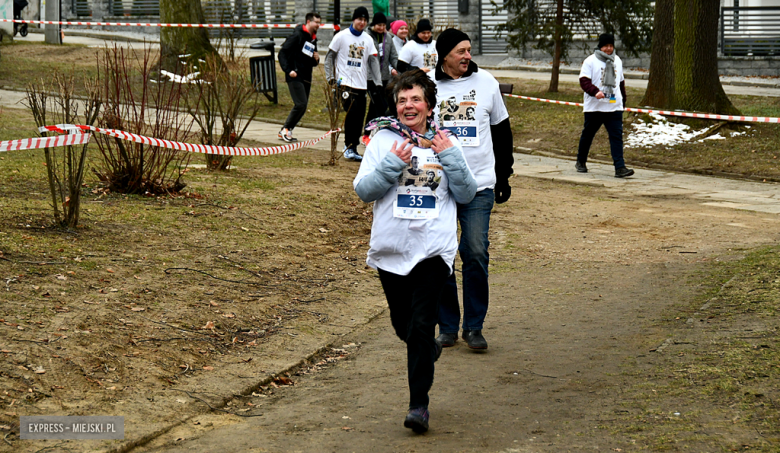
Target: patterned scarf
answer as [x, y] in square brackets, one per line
[395, 125]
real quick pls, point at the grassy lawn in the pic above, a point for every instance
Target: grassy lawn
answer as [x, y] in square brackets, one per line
[719, 369]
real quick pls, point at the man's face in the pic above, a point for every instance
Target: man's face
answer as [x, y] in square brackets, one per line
[380, 28]
[414, 162]
[431, 176]
[608, 49]
[314, 25]
[359, 24]
[425, 35]
[456, 63]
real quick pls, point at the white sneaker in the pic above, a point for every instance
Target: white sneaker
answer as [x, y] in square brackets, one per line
[286, 135]
[351, 154]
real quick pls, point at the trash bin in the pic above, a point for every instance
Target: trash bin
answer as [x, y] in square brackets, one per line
[263, 71]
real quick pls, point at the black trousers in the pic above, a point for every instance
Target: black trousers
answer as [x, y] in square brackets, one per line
[613, 122]
[355, 106]
[414, 310]
[377, 107]
[299, 92]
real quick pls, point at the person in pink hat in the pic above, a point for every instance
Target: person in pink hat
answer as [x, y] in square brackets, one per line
[400, 30]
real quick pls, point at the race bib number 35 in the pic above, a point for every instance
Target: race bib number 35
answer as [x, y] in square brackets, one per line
[415, 203]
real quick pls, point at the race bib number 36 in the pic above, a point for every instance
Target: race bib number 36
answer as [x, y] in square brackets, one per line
[465, 130]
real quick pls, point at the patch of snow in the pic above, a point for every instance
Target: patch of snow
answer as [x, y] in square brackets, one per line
[660, 132]
[713, 137]
[189, 78]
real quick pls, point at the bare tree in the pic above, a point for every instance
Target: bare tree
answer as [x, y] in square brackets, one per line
[52, 101]
[552, 25]
[221, 98]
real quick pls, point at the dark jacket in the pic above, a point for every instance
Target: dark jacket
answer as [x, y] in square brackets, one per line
[292, 58]
[389, 54]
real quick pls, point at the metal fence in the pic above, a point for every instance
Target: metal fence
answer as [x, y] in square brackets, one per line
[83, 8]
[750, 31]
[442, 13]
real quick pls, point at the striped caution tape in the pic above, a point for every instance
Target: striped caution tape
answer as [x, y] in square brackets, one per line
[709, 116]
[139, 24]
[83, 133]
[45, 142]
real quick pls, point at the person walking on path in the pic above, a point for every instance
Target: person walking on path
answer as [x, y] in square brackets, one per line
[351, 70]
[600, 77]
[388, 60]
[471, 105]
[400, 31]
[420, 51]
[414, 231]
[297, 57]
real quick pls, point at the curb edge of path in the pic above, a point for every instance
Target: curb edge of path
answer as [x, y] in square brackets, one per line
[128, 446]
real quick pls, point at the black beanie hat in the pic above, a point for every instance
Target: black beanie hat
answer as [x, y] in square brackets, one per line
[605, 39]
[424, 25]
[379, 18]
[447, 41]
[360, 11]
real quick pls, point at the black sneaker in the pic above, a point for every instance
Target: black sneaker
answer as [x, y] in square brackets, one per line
[475, 339]
[447, 340]
[581, 168]
[417, 420]
[623, 172]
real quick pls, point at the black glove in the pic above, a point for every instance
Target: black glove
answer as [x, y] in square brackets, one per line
[502, 191]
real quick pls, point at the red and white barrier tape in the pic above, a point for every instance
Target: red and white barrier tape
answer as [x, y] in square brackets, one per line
[709, 116]
[45, 142]
[139, 24]
[83, 135]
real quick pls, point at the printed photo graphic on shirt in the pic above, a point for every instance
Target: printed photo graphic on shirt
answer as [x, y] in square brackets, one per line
[355, 56]
[416, 193]
[461, 118]
[308, 49]
[429, 60]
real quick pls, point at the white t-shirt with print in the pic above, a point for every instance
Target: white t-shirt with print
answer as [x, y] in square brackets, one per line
[398, 244]
[420, 55]
[468, 106]
[353, 53]
[593, 68]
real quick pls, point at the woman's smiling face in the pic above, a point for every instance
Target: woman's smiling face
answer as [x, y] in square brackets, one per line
[413, 109]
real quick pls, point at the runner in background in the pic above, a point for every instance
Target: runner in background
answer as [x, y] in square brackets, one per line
[352, 71]
[400, 31]
[470, 104]
[600, 76]
[420, 51]
[388, 59]
[297, 57]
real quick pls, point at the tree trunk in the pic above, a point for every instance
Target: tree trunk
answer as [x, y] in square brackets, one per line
[174, 41]
[696, 83]
[660, 85]
[556, 66]
[684, 59]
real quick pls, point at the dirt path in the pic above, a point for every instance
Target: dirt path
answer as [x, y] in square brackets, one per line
[579, 280]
